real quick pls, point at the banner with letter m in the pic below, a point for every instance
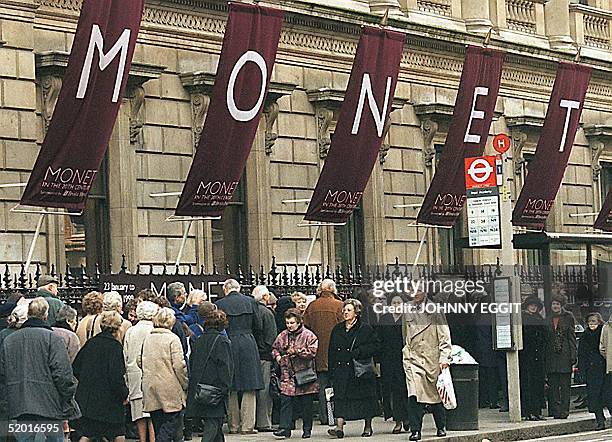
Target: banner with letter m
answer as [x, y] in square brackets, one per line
[87, 105]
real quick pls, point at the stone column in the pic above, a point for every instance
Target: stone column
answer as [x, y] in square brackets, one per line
[557, 18]
[56, 247]
[477, 16]
[381, 6]
[122, 202]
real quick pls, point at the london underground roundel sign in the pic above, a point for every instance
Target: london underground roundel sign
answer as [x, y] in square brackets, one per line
[480, 172]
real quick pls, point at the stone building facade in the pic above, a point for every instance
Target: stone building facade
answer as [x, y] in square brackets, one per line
[163, 111]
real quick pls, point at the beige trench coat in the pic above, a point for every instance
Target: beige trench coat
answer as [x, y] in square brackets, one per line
[428, 344]
[605, 345]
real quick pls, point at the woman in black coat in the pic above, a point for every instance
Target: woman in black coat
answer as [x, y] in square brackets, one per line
[593, 367]
[531, 359]
[353, 398]
[211, 363]
[392, 364]
[102, 392]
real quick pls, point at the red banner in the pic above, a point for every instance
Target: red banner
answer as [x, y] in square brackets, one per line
[467, 135]
[360, 127]
[554, 147]
[247, 58]
[604, 220]
[87, 106]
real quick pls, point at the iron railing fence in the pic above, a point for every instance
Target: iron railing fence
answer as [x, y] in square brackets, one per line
[285, 278]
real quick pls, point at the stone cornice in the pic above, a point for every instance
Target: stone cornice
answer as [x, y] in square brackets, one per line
[525, 122]
[590, 10]
[55, 63]
[333, 98]
[332, 34]
[597, 131]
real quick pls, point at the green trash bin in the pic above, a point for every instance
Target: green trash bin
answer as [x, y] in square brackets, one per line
[465, 382]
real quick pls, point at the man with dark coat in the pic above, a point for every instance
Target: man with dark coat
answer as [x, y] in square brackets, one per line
[561, 355]
[321, 317]
[265, 338]
[244, 321]
[47, 288]
[531, 359]
[35, 368]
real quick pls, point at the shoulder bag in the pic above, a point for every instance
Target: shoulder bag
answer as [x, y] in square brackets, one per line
[208, 395]
[363, 368]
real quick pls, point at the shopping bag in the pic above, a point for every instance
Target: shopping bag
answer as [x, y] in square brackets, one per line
[446, 389]
[329, 404]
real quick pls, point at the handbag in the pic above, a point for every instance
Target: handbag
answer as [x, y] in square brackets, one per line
[208, 395]
[363, 368]
[303, 377]
[275, 389]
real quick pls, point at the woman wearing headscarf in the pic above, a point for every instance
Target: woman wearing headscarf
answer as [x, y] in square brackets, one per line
[65, 324]
[593, 367]
[133, 348]
[211, 363]
[164, 376]
[354, 398]
[295, 350]
[102, 392]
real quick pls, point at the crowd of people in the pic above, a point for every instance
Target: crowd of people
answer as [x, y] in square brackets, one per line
[172, 366]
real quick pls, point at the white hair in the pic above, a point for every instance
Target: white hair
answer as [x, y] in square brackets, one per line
[112, 301]
[146, 310]
[327, 285]
[259, 292]
[231, 285]
[38, 308]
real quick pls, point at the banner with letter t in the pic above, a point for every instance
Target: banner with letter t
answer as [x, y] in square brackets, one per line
[360, 128]
[87, 105]
[554, 146]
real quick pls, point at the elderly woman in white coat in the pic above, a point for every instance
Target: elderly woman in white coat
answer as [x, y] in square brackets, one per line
[132, 350]
[164, 376]
[427, 352]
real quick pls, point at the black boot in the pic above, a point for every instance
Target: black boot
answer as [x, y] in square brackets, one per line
[416, 435]
[601, 420]
[282, 433]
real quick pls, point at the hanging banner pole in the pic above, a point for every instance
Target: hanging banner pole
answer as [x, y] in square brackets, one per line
[312, 244]
[41, 218]
[183, 242]
[418, 254]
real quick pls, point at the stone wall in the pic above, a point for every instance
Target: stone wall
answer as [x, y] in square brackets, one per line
[165, 106]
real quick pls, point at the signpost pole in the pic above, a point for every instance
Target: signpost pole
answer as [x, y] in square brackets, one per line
[183, 241]
[41, 218]
[507, 263]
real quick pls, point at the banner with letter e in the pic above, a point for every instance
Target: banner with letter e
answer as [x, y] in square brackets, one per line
[247, 58]
[87, 105]
[554, 146]
[467, 135]
[359, 132]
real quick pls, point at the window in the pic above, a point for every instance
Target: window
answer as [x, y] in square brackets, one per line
[230, 233]
[349, 241]
[86, 237]
[606, 180]
[451, 253]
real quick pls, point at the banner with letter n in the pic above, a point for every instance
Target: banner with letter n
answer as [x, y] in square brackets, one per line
[604, 220]
[467, 135]
[87, 105]
[554, 147]
[359, 132]
[247, 58]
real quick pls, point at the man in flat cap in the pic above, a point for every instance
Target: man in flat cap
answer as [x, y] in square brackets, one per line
[47, 288]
